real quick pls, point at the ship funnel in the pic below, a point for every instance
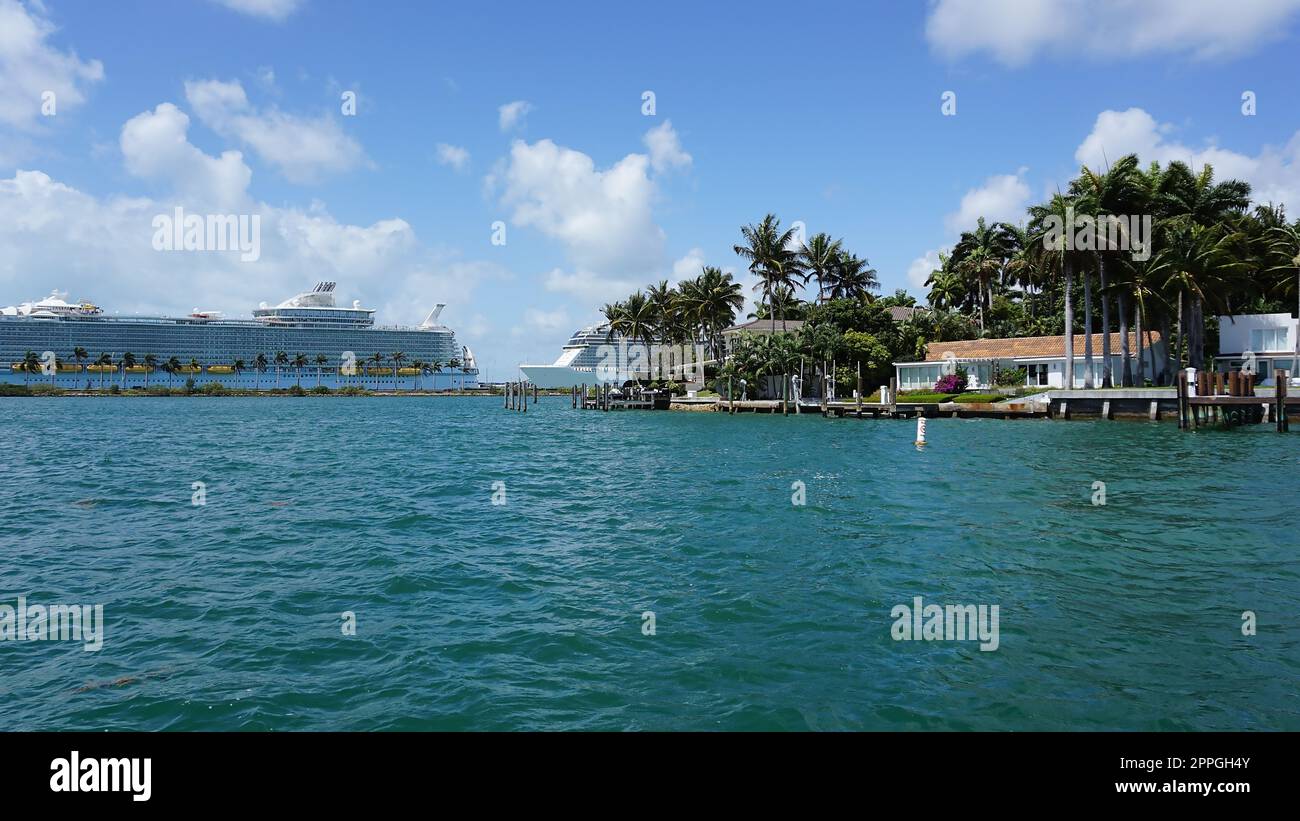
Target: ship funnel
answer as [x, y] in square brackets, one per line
[432, 318]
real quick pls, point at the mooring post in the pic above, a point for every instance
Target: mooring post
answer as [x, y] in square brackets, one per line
[523, 386]
[1181, 382]
[534, 393]
[731, 398]
[859, 403]
[893, 396]
[1218, 383]
[1279, 379]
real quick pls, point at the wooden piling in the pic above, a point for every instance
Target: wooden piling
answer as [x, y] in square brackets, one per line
[1218, 383]
[1181, 383]
[1279, 380]
[893, 396]
[523, 389]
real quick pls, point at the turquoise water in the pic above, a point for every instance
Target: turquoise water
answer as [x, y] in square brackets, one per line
[528, 615]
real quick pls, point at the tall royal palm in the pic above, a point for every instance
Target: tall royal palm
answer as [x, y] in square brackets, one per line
[320, 360]
[1042, 217]
[102, 364]
[299, 362]
[281, 361]
[150, 362]
[1106, 196]
[128, 362]
[771, 258]
[172, 367]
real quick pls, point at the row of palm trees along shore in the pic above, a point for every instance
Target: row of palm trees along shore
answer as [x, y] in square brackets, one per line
[373, 366]
[1207, 251]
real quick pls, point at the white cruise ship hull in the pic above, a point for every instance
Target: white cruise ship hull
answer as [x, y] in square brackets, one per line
[561, 376]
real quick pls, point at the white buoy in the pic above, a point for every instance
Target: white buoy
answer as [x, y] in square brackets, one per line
[920, 431]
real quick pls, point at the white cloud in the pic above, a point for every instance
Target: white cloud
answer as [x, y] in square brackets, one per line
[156, 147]
[1013, 32]
[29, 67]
[1274, 173]
[688, 267]
[920, 269]
[1002, 198]
[267, 9]
[545, 322]
[101, 247]
[665, 148]
[453, 155]
[590, 289]
[302, 149]
[512, 114]
[603, 216]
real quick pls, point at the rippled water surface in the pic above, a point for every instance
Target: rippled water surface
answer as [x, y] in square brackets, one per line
[528, 615]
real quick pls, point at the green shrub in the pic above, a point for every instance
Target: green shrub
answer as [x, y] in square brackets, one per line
[924, 396]
[214, 389]
[981, 398]
[353, 390]
[114, 389]
[321, 390]
[296, 390]
[45, 389]
[14, 390]
[189, 386]
[159, 390]
[1009, 377]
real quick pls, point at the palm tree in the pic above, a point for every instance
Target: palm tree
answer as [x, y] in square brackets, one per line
[420, 365]
[172, 367]
[31, 364]
[454, 365]
[238, 367]
[150, 362]
[378, 360]
[1195, 198]
[79, 354]
[281, 360]
[299, 362]
[1060, 208]
[1105, 196]
[980, 256]
[128, 362]
[767, 249]
[397, 358]
[819, 257]
[634, 319]
[260, 365]
[1284, 242]
[435, 366]
[194, 367]
[320, 360]
[104, 362]
[851, 278]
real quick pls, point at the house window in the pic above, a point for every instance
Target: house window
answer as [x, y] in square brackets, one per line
[1268, 339]
[1037, 373]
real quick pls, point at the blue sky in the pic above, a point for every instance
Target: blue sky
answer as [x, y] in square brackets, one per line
[825, 113]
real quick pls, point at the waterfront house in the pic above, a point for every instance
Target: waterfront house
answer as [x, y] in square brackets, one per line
[758, 327]
[1269, 339]
[1042, 357]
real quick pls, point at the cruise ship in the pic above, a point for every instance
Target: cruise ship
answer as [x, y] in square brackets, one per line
[594, 356]
[339, 343]
[579, 360]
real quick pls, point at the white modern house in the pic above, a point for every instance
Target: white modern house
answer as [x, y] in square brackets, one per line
[1267, 339]
[1042, 357]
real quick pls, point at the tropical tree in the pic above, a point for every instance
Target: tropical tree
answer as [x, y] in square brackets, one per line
[281, 361]
[851, 278]
[299, 362]
[819, 258]
[172, 367]
[128, 362]
[397, 358]
[321, 359]
[150, 362]
[260, 364]
[238, 367]
[31, 364]
[103, 363]
[768, 251]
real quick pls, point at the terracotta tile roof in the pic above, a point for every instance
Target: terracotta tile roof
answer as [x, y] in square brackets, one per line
[1026, 347]
[765, 326]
